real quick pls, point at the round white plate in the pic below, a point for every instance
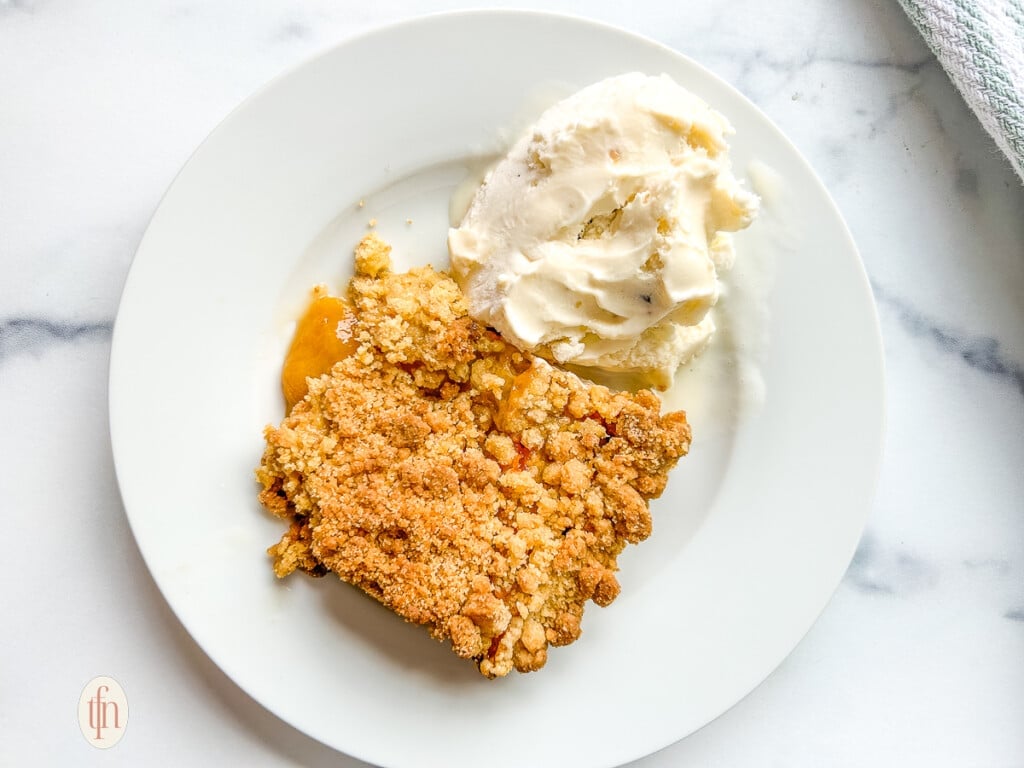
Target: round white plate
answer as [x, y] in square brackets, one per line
[751, 538]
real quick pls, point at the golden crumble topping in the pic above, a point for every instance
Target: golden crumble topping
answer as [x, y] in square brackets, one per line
[466, 485]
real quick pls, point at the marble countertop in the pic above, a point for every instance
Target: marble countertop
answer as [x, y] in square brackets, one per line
[919, 658]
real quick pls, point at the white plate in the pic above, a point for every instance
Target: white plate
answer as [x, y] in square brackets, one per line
[751, 537]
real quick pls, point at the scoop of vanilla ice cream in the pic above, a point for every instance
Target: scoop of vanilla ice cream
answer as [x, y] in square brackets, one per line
[596, 241]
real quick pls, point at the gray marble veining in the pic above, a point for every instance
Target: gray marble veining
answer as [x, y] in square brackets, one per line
[981, 353]
[889, 571]
[33, 335]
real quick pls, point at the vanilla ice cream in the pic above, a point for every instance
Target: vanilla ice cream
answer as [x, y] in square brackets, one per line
[596, 241]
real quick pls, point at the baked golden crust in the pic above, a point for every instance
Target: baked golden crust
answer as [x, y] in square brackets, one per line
[467, 486]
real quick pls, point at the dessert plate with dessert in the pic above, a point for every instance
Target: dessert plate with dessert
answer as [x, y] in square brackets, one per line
[560, 368]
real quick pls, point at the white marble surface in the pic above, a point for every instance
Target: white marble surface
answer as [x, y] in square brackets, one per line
[919, 658]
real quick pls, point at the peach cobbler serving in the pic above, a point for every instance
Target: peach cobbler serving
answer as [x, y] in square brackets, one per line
[436, 456]
[467, 485]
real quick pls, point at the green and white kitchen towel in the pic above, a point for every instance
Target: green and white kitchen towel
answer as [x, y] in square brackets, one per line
[980, 43]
